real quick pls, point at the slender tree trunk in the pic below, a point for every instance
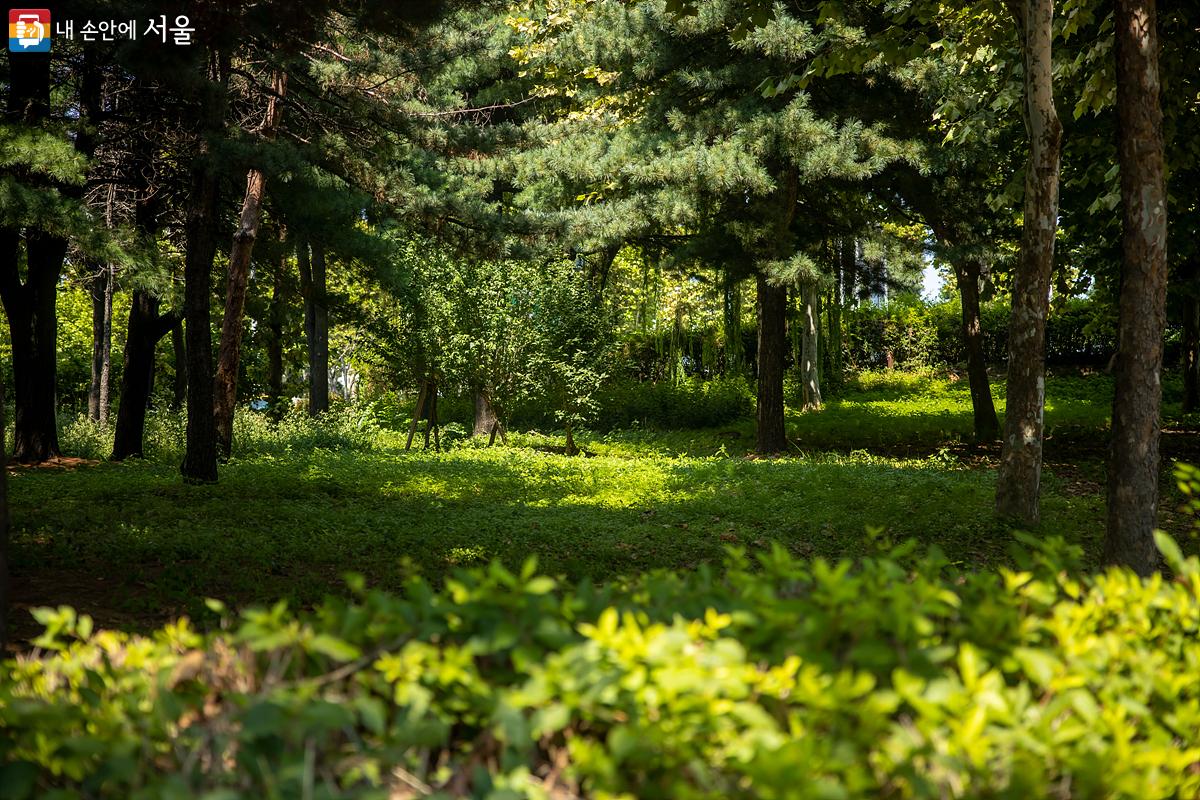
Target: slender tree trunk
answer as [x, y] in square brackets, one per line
[8, 252]
[179, 387]
[485, 414]
[599, 268]
[103, 280]
[418, 412]
[4, 525]
[772, 350]
[200, 459]
[102, 302]
[229, 352]
[837, 365]
[810, 348]
[316, 325]
[732, 322]
[146, 328]
[1020, 474]
[1134, 459]
[1191, 352]
[275, 318]
[987, 427]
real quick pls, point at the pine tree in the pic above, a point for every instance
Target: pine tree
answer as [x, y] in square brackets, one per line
[750, 143]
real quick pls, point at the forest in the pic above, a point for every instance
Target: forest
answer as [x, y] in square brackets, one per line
[606, 399]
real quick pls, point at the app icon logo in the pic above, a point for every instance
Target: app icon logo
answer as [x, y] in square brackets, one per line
[29, 30]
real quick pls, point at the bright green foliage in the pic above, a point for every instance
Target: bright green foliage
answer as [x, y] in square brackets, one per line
[574, 338]
[783, 678]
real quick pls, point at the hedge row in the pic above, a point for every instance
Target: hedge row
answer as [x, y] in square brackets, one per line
[779, 679]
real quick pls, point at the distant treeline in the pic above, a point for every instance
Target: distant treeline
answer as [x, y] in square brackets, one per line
[1079, 332]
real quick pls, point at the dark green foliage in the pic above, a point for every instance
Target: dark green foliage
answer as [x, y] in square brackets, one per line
[782, 678]
[661, 405]
[668, 405]
[1079, 332]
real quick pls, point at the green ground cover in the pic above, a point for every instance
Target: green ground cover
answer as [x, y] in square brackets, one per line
[302, 503]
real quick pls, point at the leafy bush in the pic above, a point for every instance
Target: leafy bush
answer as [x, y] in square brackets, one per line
[254, 433]
[783, 678]
[342, 428]
[685, 404]
[1078, 332]
[83, 438]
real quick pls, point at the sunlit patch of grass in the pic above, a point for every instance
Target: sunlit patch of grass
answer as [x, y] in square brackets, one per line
[288, 519]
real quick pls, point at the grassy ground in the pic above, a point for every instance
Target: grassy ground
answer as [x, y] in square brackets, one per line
[302, 505]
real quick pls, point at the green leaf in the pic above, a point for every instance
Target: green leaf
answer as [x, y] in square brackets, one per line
[334, 647]
[1039, 665]
[1170, 551]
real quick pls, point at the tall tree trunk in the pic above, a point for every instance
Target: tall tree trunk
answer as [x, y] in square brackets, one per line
[316, 325]
[102, 286]
[146, 328]
[1020, 474]
[957, 238]
[732, 323]
[1191, 351]
[810, 364]
[179, 387]
[200, 457]
[1133, 461]
[837, 366]
[966, 274]
[4, 524]
[485, 414]
[275, 318]
[33, 324]
[102, 302]
[32, 319]
[229, 352]
[772, 350]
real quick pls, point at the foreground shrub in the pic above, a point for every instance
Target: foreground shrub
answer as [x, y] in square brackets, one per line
[783, 678]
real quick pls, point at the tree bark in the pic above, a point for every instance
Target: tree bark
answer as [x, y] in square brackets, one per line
[1134, 457]
[102, 300]
[146, 328]
[30, 304]
[485, 414]
[33, 326]
[102, 286]
[842, 265]
[732, 323]
[1019, 479]
[275, 318]
[966, 274]
[772, 349]
[316, 325]
[4, 526]
[956, 236]
[229, 352]
[200, 459]
[418, 412]
[810, 347]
